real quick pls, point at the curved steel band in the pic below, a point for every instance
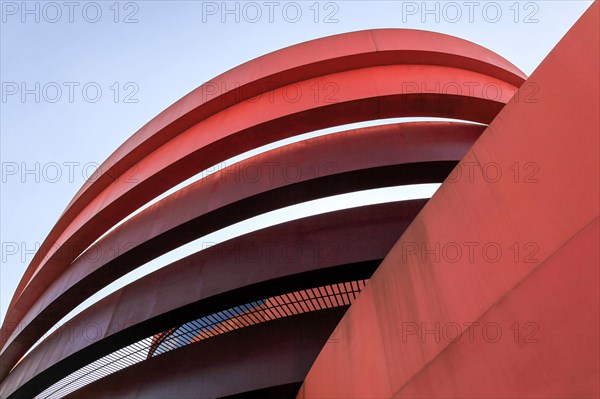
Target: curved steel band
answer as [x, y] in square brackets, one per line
[293, 64]
[371, 75]
[331, 247]
[356, 160]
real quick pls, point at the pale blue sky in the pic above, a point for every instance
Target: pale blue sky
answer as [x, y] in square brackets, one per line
[171, 49]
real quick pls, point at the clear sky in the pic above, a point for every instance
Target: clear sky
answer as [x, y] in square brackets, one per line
[78, 78]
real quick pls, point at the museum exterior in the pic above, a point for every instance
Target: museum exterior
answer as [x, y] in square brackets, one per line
[488, 289]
